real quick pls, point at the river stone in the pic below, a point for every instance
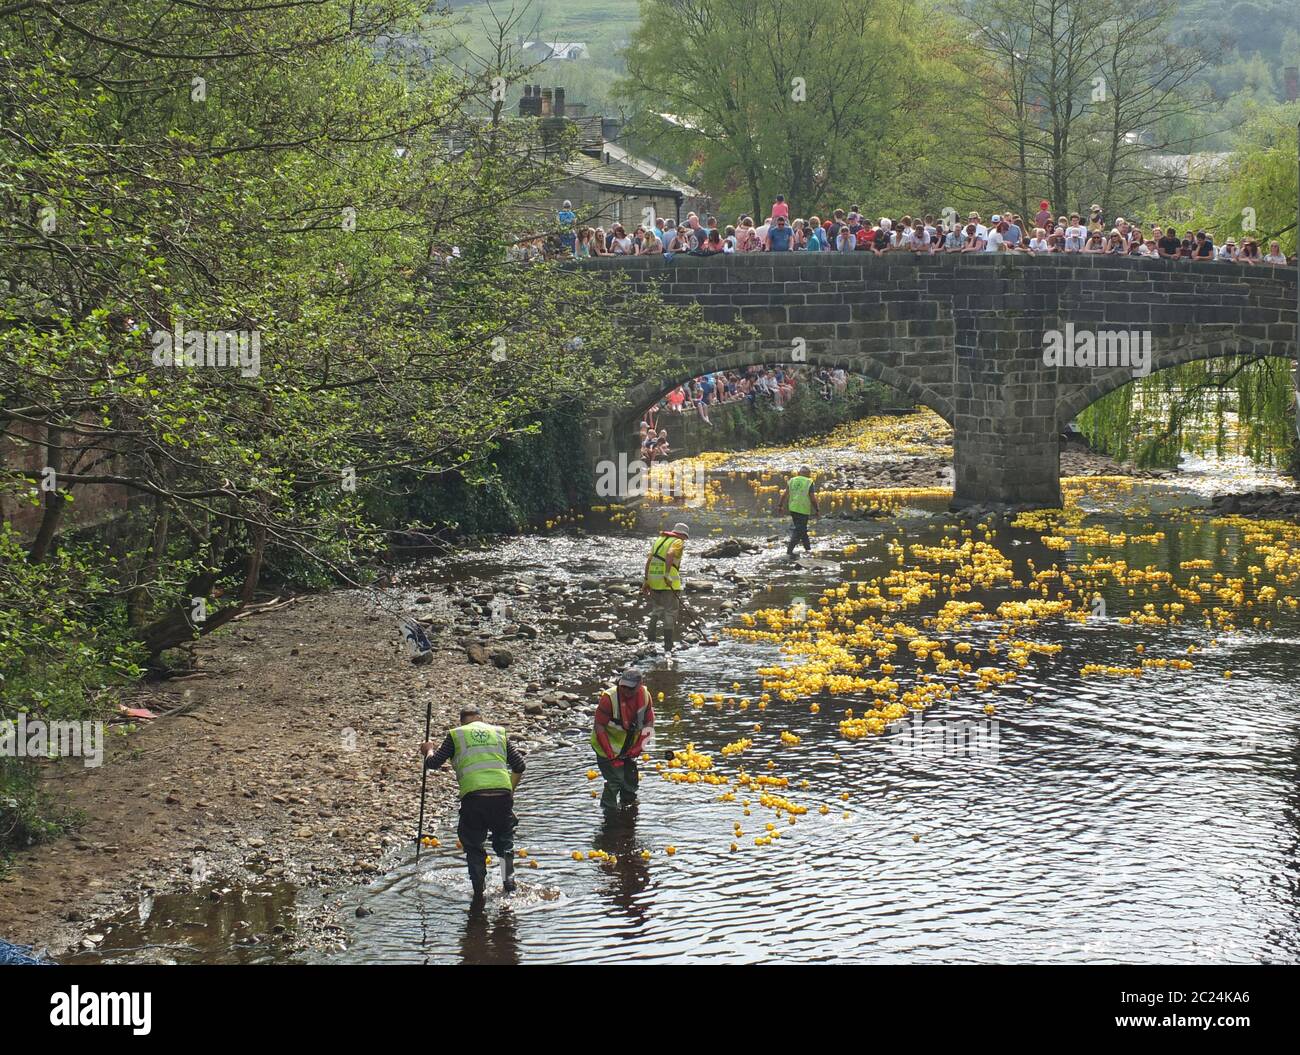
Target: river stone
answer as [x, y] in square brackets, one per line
[601, 636]
[477, 653]
[502, 657]
[627, 633]
[533, 708]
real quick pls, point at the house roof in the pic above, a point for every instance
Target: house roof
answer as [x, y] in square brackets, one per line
[619, 176]
[649, 168]
[559, 49]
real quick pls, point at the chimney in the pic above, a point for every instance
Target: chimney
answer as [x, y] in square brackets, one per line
[530, 104]
[557, 103]
[546, 102]
[1292, 83]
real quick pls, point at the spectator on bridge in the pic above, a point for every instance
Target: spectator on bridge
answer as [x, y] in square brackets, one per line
[1076, 235]
[974, 242]
[817, 241]
[651, 239]
[1044, 215]
[781, 208]
[1204, 248]
[582, 248]
[567, 218]
[844, 241]
[621, 244]
[1169, 244]
[1275, 254]
[779, 237]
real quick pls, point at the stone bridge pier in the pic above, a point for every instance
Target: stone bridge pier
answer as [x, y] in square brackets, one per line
[1008, 349]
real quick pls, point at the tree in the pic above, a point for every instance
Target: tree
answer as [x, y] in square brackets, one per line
[310, 182]
[779, 96]
[1080, 97]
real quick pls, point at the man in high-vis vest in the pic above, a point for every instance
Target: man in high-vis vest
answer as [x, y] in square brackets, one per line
[663, 581]
[799, 499]
[623, 729]
[488, 768]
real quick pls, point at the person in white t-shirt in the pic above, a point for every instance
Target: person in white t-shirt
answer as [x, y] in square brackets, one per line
[1039, 243]
[1075, 235]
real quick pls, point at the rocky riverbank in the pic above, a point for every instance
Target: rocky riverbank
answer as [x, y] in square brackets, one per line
[289, 756]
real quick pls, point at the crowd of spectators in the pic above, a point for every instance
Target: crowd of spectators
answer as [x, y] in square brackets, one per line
[772, 386]
[852, 232]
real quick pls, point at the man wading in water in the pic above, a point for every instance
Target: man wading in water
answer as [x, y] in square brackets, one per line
[487, 768]
[663, 581]
[800, 500]
[624, 726]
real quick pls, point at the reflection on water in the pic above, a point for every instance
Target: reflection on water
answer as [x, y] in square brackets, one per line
[214, 924]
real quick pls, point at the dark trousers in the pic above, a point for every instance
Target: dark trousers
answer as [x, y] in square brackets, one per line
[619, 781]
[482, 812]
[799, 533]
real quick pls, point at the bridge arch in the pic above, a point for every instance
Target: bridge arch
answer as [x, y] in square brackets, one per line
[651, 391]
[1187, 348]
[964, 335]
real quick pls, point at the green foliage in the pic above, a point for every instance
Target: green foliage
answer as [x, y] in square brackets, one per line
[64, 651]
[825, 102]
[324, 181]
[1224, 406]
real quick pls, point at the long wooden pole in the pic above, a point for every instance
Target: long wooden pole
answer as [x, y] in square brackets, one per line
[424, 778]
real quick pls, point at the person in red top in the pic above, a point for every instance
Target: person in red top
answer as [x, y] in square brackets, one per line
[624, 727]
[781, 208]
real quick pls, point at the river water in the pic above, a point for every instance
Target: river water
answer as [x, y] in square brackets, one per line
[1143, 811]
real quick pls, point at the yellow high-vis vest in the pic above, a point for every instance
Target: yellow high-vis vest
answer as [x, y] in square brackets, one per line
[658, 576]
[480, 758]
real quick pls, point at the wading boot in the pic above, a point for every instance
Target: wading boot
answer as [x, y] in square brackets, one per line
[478, 877]
[508, 875]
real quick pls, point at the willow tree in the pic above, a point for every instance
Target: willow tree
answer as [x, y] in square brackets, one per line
[1244, 404]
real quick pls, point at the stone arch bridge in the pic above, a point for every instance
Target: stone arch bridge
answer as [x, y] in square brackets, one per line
[965, 336]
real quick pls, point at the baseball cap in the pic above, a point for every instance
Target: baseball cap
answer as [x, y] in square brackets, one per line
[682, 529]
[630, 677]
